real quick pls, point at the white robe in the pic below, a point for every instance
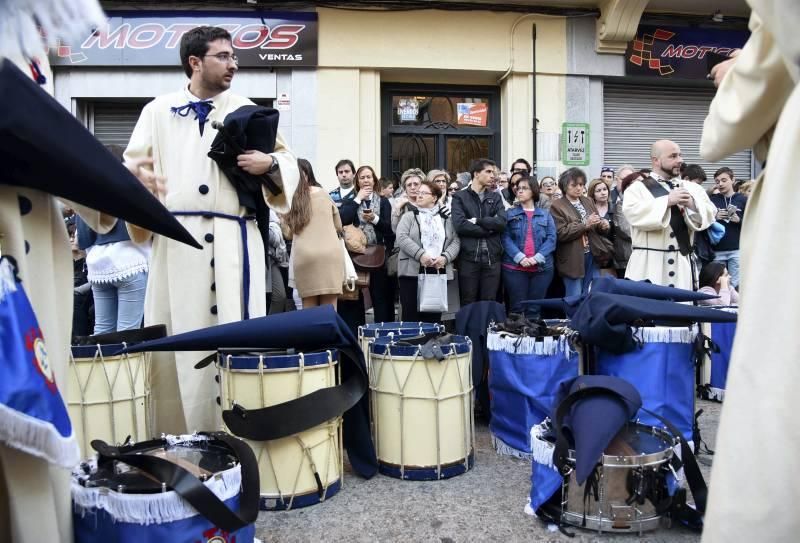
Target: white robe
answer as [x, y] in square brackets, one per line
[649, 221]
[189, 288]
[755, 481]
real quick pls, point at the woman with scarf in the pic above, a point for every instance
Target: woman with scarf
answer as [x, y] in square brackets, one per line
[428, 244]
[372, 213]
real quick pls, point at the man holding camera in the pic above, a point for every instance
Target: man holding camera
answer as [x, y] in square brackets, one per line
[730, 210]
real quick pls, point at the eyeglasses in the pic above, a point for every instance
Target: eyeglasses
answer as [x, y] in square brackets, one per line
[548, 184]
[425, 193]
[225, 58]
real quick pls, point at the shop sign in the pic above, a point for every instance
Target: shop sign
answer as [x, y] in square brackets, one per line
[408, 109]
[473, 114]
[152, 38]
[678, 52]
[575, 144]
[283, 103]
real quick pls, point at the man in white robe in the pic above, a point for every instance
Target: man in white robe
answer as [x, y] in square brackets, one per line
[659, 253]
[755, 481]
[190, 289]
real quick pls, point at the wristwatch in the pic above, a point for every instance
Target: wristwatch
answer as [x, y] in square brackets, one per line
[274, 167]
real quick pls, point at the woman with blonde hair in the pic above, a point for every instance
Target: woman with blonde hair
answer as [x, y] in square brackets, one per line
[441, 179]
[599, 191]
[410, 182]
[314, 225]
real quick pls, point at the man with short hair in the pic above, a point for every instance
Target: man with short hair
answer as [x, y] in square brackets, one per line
[345, 173]
[479, 217]
[664, 213]
[521, 165]
[622, 172]
[694, 173]
[730, 211]
[187, 288]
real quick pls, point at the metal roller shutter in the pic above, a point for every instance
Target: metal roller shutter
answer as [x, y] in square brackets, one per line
[636, 116]
[113, 122]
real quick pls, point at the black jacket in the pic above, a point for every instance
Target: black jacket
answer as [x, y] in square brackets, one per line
[348, 212]
[490, 223]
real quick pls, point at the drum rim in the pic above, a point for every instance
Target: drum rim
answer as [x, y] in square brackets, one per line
[397, 327]
[272, 362]
[393, 347]
[642, 460]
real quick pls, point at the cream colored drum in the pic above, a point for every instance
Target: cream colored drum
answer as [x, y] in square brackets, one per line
[370, 332]
[298, 470]
[422, 415]
[108, 395]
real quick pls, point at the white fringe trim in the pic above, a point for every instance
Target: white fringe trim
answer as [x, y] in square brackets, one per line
[146, 509]
[117, 275]
[715, 393]
[666, 334]
[501, 447]
[37, 438]
[70, 20]
[541, 449]
[8, 284]
[514, 344]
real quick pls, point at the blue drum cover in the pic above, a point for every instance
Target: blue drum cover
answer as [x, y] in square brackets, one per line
[426, 473]
[273, 361]
[722, 334]
[522, 389]
[664, 375]
[90, 351]
[313, 498]
[98, 526]
[395, 346]
[383, 329]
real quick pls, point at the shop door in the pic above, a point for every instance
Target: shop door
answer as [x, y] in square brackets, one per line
[435, 128]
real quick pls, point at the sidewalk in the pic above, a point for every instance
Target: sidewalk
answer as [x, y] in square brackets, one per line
[484, 504]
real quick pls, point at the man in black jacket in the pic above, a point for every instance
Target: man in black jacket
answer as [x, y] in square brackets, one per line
[479, 218]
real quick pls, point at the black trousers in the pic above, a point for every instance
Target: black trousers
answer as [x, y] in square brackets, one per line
[381, 290]
[408, 301]
[478, 281]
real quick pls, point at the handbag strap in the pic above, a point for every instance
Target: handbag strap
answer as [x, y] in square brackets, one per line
[189, 487]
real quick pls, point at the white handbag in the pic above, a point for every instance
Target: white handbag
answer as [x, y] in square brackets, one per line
[432, 292]
[350, 274]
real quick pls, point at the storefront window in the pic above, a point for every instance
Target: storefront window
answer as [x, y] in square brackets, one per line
[444, 110]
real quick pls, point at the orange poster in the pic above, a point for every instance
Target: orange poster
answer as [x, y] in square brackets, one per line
[473, 114]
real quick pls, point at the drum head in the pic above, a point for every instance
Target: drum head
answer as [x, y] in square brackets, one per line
[203, 459]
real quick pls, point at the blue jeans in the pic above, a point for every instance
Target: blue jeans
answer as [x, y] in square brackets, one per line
[731, 261]
[523, 286]
[580, 285]
[119, 305]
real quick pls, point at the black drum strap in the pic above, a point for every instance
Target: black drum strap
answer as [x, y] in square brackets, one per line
[294, 416]
[189, 487]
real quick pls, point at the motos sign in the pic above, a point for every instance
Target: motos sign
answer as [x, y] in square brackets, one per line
[678, 52]
[260, 39]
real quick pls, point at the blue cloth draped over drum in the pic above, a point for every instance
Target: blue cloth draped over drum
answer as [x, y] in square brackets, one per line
[304, 330]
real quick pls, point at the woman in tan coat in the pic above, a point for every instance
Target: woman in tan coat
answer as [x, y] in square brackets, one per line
[314, 225]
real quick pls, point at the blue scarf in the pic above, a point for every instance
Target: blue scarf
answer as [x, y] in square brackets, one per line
[201, 110]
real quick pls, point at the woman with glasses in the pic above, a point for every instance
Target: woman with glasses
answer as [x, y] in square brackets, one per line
[371, 212]
[582, 248]
[529, 242]
[410, 182]
[428, 244]
[441, 179]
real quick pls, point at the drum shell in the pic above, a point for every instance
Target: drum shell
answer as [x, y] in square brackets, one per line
[108, 395]
[423, 423]
[286, 473]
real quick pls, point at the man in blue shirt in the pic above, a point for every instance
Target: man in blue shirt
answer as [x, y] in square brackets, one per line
[730, 210]
[345, 173]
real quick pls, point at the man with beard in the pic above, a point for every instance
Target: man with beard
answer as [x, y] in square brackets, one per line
[189, 289]
[664, 212]
[345, 173]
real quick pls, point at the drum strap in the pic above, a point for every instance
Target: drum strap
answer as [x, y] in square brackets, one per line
[694, 477]
[189, 487]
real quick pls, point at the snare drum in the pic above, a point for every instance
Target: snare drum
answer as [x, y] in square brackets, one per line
[302, 469]
[113, 501]
[423, 422]
[108, 395]
[632, 476]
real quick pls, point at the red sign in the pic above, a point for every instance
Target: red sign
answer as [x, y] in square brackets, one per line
[473, 114]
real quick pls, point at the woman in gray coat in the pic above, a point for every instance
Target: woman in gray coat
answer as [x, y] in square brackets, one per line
[428, 244]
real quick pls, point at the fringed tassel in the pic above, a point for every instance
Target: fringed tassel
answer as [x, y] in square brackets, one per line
[541, 449]
[501, 447]
[509, 343]
[146, 509]
[8, 283]
[30, 26]
[666, 334]
[38, 438]
[715, 393]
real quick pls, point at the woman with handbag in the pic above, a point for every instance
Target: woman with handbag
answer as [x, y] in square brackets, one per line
[582, 248]
[428, 247]
[529, 242]
[372, 213]
[599, 192]
[314, 226]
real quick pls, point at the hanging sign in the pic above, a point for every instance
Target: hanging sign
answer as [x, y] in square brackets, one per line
[575, 144]
[408, 109]
[473, 114]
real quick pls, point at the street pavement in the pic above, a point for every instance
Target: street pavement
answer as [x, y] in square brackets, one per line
[484, 504]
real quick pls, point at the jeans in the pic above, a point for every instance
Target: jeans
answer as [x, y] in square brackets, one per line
[119, 305]
[580, 285]
[731, 261]
[478, 281]
[522, 286]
